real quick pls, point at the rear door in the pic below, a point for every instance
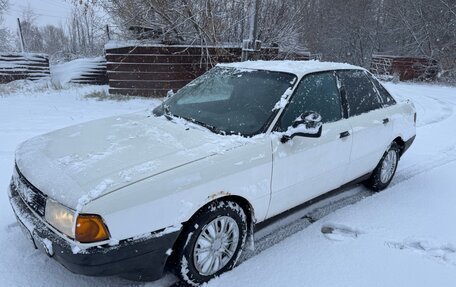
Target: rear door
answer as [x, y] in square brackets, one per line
[303, 167]
[370, 122]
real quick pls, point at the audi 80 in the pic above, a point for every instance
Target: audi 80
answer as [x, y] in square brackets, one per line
[182, 186]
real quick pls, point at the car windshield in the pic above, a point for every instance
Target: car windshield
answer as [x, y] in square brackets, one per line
[229, 101]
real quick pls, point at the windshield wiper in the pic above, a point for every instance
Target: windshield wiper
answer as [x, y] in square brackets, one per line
[207, 126]
[170, 116]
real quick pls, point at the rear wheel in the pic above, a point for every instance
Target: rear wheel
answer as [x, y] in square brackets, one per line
[385, 170]
[211, 243]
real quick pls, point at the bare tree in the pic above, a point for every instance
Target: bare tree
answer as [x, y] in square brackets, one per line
[3, 5]
[48, 39]
[55, 42]
[31, 33]
[85, 31]
[5, 36]
[209, 21]
[348, 31]
[424, 28]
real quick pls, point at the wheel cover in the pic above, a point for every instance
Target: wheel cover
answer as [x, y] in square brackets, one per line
[388, 166]
[216, 245]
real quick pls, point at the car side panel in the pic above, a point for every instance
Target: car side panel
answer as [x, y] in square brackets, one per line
[140, 208]
[305, 168]
[402, 116]
[371, 136]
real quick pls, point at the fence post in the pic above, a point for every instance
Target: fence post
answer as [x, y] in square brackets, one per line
[249, 45]
[21, 36]
[108, 33]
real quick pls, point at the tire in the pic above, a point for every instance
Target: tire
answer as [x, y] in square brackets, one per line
[195, 254]
[385, 170]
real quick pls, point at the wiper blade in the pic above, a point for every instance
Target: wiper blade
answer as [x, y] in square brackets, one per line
[170, 116]
[207, 126]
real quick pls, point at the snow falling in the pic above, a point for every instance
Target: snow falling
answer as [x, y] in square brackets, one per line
[401, 236]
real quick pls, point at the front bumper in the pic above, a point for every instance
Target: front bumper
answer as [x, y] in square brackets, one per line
[142, 258]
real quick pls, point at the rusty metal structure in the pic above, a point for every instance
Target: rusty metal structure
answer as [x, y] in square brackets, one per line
[405, 68]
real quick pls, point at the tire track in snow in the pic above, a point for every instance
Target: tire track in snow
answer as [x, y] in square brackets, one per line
[282, 229]
[444, 156]
[409, 172]
[447, 112]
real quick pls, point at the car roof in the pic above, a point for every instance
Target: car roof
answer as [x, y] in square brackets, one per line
[299, 68]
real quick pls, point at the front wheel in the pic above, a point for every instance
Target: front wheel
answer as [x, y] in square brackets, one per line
[385, 170]
[212, 242]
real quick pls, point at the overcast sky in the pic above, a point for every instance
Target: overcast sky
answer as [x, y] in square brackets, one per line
[53, 12]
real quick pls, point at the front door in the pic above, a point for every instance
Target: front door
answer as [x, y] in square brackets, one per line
[304, 168]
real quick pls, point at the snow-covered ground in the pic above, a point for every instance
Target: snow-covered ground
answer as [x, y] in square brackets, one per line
[402, 236]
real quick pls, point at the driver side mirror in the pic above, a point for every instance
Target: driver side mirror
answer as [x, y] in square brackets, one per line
[307, 124]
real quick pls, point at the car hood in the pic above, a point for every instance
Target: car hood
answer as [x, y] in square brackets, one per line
[77, 164]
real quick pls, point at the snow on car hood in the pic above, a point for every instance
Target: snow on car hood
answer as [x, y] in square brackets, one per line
[77, 164]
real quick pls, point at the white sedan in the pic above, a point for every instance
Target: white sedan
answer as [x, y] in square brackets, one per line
[182, 187]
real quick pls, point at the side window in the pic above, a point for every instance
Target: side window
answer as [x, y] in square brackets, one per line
[360, 92]
[387, 99]
[317, 93]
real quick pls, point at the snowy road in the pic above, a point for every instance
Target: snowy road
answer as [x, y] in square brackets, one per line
[402, 236]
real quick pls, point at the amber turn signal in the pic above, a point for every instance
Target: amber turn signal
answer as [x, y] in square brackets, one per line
[90, 228]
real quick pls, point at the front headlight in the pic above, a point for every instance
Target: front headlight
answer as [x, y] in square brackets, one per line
[85, 228]
[61, 217]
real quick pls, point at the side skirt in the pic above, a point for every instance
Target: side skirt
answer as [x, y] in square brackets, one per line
[334, 192]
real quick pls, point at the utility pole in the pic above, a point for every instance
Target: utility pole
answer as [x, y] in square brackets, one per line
[250, 45]
[254, 21]
[21, 36]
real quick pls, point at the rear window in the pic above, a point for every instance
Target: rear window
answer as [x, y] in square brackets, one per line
[386, 98]
[360, 92]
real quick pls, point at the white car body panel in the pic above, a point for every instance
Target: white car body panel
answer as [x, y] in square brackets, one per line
[297, 177]
[170, 198]
[371, 137]
[110, 153]
[402, 116]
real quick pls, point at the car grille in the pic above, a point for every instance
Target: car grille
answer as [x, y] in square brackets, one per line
[32, 196]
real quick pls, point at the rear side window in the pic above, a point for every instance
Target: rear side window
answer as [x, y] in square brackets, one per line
[360, 92]
[317, 93]
[386, 98]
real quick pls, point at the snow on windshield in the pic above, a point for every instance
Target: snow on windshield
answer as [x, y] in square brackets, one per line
[232, 101]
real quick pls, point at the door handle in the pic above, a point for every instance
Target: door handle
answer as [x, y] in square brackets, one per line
[385, 121]
[344, 134]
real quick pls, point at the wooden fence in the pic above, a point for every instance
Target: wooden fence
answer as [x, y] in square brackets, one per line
[23, 66]
[406, 68]
[154, 70]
